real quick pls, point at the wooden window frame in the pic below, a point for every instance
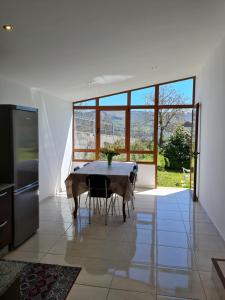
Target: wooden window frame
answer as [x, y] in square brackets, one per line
[127, 108]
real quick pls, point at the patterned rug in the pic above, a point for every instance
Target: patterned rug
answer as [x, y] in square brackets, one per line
[44, 281]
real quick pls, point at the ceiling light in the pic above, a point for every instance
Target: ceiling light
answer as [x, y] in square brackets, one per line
[8, 27]
[154, 68]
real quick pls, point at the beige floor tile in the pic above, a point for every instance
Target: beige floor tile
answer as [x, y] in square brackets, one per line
[170, 298]
[172, 257]
[60, 259]
[195, 217]
[93, 231]
[51, 204]
[70, 246]
[167, 206]
[139, 278]
[132, 235]
[204, 242]
[52, 227]
[55, 217]
[208, 285]
[143, 216]
[94, 248]
[168, 215]
[24, 256]
[96, 272]
[179, 283]
[83, 292]
[200, 228]
[203, 259]
[141, 254]
[120, 259]
[174, 239]
[169, 225]
[128, 295]
[39, 243]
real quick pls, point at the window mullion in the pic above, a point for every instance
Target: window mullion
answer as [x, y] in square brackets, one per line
[97, 131]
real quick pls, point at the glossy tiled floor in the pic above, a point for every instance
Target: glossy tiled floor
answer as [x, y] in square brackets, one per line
[162, 251]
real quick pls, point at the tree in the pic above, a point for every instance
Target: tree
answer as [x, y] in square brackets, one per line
[178, 149]
[167, 116]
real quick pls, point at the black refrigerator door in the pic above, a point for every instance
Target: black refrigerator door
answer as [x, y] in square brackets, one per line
[26, 214]
[25, 140]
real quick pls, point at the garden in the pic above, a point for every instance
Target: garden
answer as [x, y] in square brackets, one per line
[173, 166]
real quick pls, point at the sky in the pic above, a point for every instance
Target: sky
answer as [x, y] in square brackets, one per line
[138, 97]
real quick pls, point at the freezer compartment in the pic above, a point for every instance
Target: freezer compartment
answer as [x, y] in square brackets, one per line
[25, 213]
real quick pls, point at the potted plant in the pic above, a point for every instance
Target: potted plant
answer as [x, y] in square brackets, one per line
[109, 153]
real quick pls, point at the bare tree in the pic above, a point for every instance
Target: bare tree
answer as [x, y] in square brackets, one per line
[167, 116]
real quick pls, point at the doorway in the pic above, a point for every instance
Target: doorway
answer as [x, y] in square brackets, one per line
[177, 162]
[175, 130]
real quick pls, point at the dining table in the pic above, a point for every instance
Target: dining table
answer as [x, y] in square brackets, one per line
[117, 172]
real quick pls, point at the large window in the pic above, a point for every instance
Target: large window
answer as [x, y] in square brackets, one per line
[112, 127]
[127, 121]
[84, 129]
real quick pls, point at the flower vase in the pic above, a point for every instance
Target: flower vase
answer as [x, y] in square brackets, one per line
[109, 159]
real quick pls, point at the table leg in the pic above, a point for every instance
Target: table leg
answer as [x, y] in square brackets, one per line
[76, 207]
[124, 210]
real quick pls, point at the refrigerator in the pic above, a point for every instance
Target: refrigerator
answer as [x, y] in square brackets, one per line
[19, 165]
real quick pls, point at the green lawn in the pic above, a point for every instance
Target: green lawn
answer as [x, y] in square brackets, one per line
[172, 179]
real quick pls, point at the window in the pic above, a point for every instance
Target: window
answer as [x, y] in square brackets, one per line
[130, 121]
[84, 129]
[144, 96]
[176, 93]
[145, 157]
[85, 103]
[114, 100]
[120, 157]
[142, 129]
[84, 155]
[112, 126]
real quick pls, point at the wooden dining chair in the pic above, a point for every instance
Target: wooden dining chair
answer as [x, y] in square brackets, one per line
[98, 187]
[74, 170]
[133, 178]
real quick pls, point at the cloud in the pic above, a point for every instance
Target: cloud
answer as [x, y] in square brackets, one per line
[106, 79]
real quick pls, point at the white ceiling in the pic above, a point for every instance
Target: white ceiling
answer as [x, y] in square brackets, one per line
[61, 46]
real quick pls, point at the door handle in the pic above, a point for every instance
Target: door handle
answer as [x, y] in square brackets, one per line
[3, 194]
[196, 153]
[3, 224]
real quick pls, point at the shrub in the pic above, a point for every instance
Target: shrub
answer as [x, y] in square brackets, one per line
[177, 149]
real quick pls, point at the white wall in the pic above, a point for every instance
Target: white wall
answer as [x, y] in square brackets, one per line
[210, 91]
[55, 126]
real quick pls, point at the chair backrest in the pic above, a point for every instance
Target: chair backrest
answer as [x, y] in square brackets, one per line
[133, 176]
[98, 185]
[135, 167]
[76, 168]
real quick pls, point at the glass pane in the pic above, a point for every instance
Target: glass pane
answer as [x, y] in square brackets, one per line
[85, 103]
[142, 157]
[112, 129]
[176, 93]
[85, 155]
[169, 120]
[142, 129]
[114, 100]
[144, 96]
[174, 145]
[121, 157]
[84, 128]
